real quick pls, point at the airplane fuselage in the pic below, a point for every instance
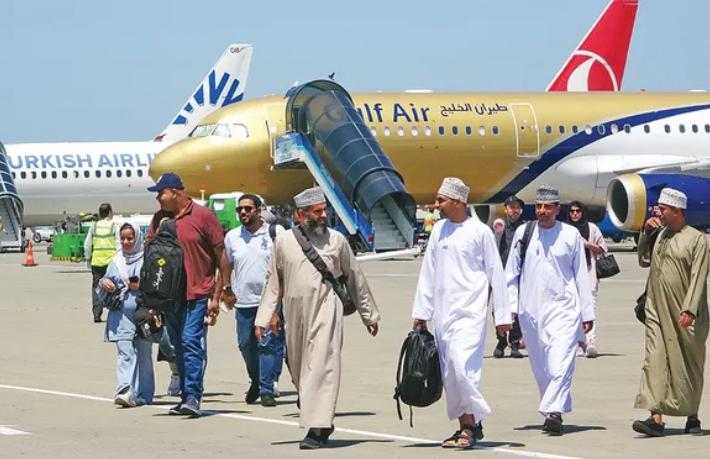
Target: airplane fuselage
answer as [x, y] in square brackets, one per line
[58, 179]
[498, 143]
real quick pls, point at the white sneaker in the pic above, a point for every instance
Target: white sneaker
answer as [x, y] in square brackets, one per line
[592, 352]
[276, 392]
[174, 387]
[125, 399]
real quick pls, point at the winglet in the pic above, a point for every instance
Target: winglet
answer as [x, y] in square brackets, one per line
[598, 63]
[223, 85]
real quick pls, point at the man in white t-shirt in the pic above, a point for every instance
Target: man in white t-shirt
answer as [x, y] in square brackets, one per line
[248, 250]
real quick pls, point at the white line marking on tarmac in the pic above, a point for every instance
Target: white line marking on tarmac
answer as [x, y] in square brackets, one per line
[623, 281]
[366, 433]
[8, 430]
[391, 275]
[604, 281]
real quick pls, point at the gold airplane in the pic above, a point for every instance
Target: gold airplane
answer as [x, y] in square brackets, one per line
[498, 143]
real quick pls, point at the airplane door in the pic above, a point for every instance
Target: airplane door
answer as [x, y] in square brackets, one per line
[527, 134]
[275, 116]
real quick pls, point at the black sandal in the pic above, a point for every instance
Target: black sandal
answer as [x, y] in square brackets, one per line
[326, 433]
[452, 441]
[469, 434]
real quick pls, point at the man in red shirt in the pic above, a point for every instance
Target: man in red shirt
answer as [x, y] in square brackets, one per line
[202, 241]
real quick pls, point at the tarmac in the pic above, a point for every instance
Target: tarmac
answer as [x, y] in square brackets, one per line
[57, 379]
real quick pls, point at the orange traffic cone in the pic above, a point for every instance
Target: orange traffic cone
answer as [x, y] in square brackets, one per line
[30, 256]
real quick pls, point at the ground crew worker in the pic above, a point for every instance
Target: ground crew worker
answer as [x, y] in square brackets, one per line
[101, 244]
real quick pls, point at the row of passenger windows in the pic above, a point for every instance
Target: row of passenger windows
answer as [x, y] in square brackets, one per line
[614, 128]
[427, 131]
[496, 130]
[235, 130]
[108, 173]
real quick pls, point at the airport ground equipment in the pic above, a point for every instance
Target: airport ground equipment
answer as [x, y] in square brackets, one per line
[11, 208]
[224, 206]
[68, 247]
[325, 133]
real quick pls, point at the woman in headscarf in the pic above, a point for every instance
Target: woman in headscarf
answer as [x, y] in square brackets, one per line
[594, 246]
[136, 384]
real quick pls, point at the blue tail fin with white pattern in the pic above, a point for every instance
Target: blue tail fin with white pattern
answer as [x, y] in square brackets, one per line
[223, 85]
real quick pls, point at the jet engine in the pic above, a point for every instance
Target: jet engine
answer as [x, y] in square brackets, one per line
[631, 198]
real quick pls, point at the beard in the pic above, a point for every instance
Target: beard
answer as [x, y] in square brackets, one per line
[315, 227]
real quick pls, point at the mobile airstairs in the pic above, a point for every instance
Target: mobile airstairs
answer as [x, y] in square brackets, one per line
[325, 133]
[11, 208]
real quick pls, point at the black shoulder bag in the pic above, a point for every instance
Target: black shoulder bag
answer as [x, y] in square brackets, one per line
[524, 243]
[338, 283]
[640, 307]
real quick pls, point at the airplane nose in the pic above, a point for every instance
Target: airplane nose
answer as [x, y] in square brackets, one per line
[165, 162]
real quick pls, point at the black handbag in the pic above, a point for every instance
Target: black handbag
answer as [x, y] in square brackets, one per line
[111, 301]
[149, 324]
[607, 266]
[640, 308]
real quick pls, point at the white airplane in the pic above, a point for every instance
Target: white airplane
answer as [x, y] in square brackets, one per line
[58, 179]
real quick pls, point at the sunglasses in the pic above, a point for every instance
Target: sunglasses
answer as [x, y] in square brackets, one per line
[246, 209]
[575, 211]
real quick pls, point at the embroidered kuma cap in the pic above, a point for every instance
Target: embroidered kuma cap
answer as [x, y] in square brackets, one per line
[309, 197]
[673, 198]
[547, 193]
[454, 188]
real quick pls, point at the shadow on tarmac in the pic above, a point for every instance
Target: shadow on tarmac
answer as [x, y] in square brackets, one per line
[207, 413]
[567, 428]
[673, 432]
[484, 444]
[338, 414]
[335, 443]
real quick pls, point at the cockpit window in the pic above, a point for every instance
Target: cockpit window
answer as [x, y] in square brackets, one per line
[203, 130]
[239, 131]
[222, 130]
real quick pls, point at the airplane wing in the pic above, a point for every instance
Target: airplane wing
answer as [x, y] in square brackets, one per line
[698, 168]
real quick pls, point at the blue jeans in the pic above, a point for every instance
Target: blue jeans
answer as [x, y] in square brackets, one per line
[188, 333]
[264, 360]
[134, 368]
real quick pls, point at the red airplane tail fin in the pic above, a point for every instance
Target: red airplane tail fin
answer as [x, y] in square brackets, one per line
[598, 63]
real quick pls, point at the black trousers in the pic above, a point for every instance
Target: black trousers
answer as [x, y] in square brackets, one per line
[513, 336]
[97, 272]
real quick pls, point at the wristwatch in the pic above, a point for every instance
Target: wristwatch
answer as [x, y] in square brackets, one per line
[227, 288]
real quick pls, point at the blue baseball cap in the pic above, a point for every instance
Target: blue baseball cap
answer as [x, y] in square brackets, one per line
[168, 180]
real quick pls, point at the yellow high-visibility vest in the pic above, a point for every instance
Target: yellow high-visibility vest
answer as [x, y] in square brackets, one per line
[103, 243]
[428, 222]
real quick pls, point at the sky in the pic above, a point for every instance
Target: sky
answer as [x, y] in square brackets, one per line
[76, 70]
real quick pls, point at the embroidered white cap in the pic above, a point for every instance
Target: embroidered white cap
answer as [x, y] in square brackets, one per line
[547, 193]
[673, 198]
[454, 188]
[309, 197]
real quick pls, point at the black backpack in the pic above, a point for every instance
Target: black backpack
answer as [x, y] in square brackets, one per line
[162, 282]
[418, 373]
